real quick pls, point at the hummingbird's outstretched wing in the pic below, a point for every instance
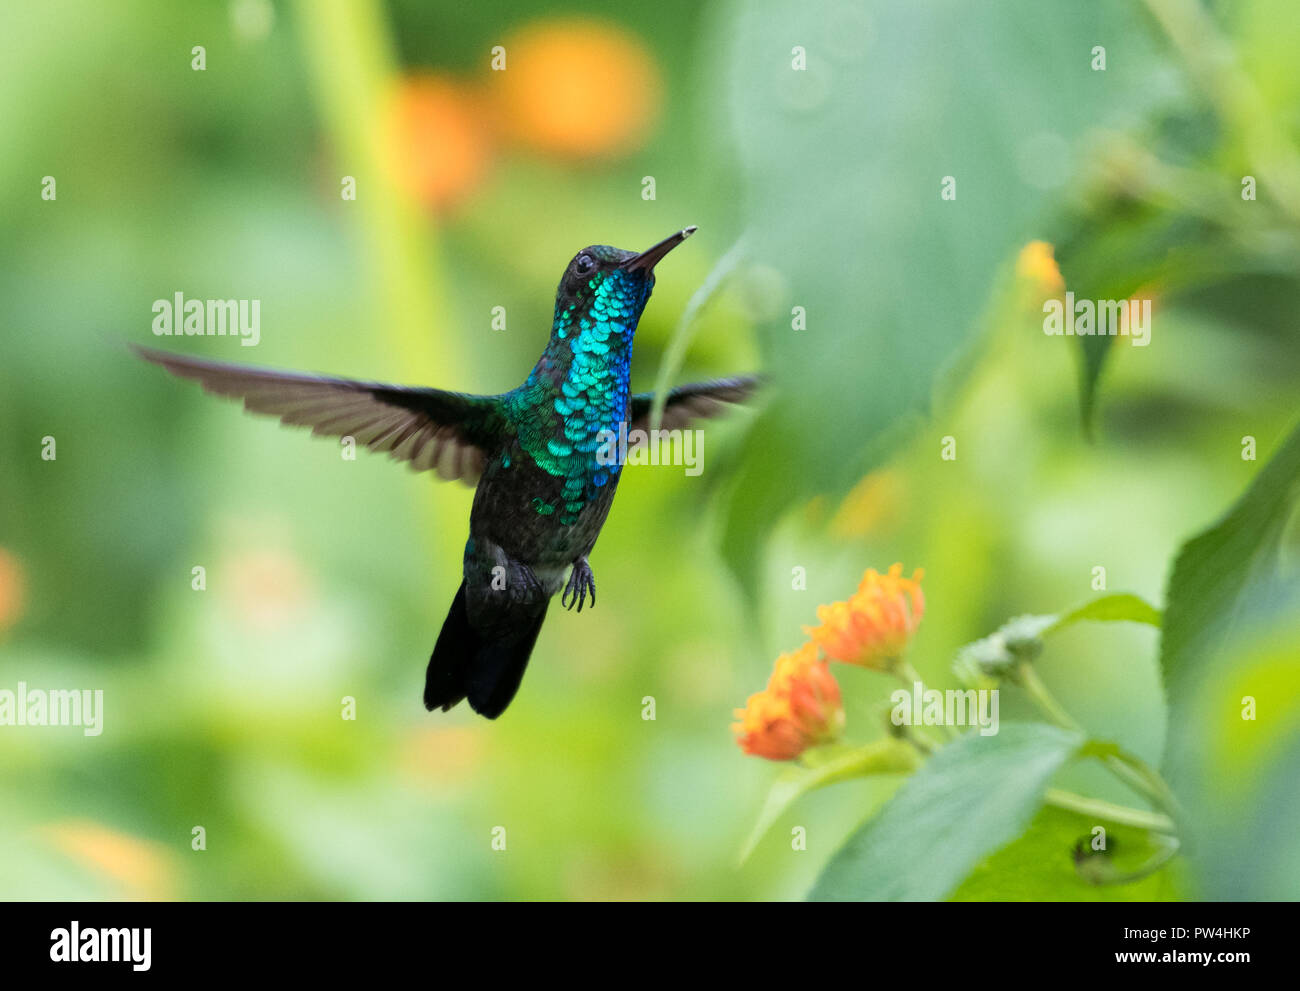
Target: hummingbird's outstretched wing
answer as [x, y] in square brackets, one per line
[448, 432]
[698, 401]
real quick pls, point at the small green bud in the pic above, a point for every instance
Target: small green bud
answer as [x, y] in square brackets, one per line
[1019, 640]
[1024, 635]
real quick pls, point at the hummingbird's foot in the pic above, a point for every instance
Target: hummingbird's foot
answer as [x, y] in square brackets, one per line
[581, 581]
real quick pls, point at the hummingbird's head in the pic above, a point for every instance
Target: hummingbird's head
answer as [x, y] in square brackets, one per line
[611, 284]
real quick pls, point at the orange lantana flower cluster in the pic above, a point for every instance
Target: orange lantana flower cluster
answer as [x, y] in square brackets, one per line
[873, 627]
[801, 706]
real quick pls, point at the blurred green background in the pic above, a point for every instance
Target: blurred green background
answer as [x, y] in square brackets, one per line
[328, 578]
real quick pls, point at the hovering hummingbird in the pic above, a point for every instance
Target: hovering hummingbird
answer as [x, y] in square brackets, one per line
[543, 486]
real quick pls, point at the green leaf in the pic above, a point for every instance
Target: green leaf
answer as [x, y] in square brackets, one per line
[1235, 768]
[887, 756]
[1120, 248]
[971, 798]
[1122, 607]
[1230, 658]
[1021, 638]
[838, 175]
[1215, 570]
[1040, 865]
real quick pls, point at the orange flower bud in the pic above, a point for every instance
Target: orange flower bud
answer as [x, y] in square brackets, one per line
[873, 627]
[1036, 267]
[800, 708]
[12, 592]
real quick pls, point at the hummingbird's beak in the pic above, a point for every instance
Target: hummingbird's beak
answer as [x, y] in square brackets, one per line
[648, 259]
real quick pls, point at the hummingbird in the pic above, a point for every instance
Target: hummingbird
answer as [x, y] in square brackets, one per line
[539, 457]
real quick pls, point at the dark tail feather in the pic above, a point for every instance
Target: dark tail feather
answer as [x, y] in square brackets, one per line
[485, 666]
[444, 683]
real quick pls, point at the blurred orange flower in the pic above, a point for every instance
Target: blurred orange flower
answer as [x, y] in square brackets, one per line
[873, 503]
[578, 88]
[441, 755]
[800, 708]
[1037, 266]
[267, 587]
[143, 869]
[874, 626]
[12, 589]
[438, 138]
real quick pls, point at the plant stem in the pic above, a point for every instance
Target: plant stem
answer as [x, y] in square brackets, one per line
[907, 674]
[1143, 777]
[1100, 809]
[921, 743]
[681, 339]
[1034, 686]
[1214, 67]
[1129, 769]
[1157, 861]
[909, 677]
[349, 53]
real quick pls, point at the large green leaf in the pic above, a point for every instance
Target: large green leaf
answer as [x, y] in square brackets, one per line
[973, 797]
[1217, 572]
[840, 169]
[1231, 660]
[1234, 744]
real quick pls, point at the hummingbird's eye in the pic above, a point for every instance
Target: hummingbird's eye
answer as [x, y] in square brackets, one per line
[585, 265]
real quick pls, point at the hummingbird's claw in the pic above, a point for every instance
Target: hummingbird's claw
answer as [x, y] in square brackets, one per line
[581, 581]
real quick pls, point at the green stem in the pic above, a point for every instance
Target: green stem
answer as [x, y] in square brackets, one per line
[353, 69]
[1034, 687]
[922, 743]
[908, 676]
[1100, 809]
[1142, 776]
[1129, 769]
[1215, 68]
[681, 339]
[1157, 861]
